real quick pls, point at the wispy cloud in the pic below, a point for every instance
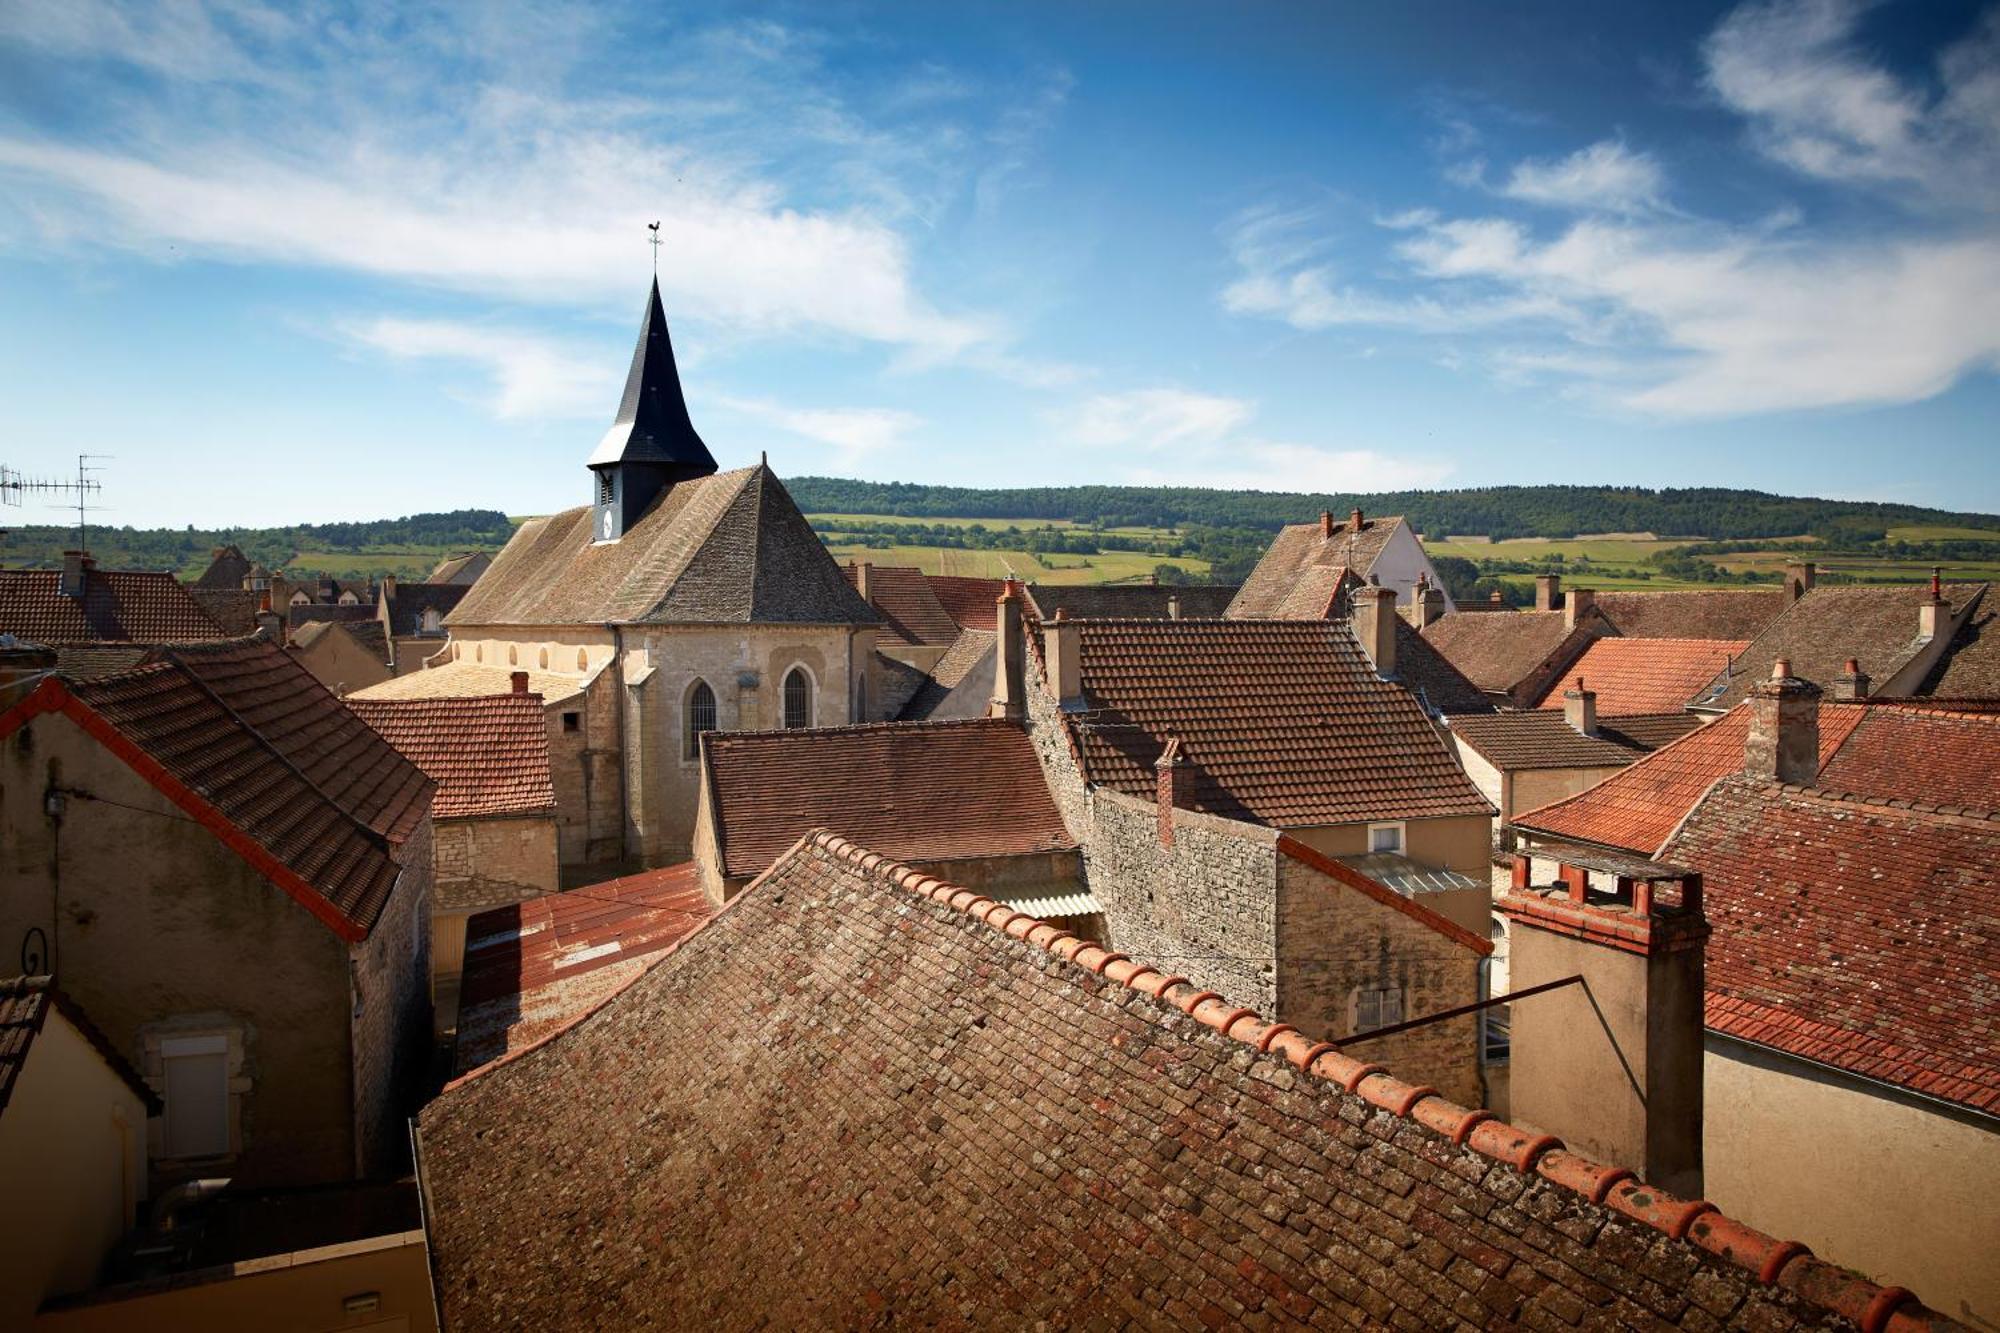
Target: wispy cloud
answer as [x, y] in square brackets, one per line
[1605, 177]
[526, 376]
[1147, 419]
[855, 434]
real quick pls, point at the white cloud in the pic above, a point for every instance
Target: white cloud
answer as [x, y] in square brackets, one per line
[1605, 177]
[854, 433]
[1152, 419]
[529, 376]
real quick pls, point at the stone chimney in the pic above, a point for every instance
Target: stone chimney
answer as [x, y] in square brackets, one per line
[1784, 729]
[1426, 602]
[1548, 591]
[1800, 575]
[1576, 605]
[76, 565]
[270, 625]
[1176, 785]
[1354, 521]
[1009, 674]
[1060, 651]
[1580, 709]
[1934, 613]
[1852, 683]
[862, 570]
[519, 680]
[1173, 606]
[1611, 1063]
[1326, 523]
[386, 590]
[1374, 617]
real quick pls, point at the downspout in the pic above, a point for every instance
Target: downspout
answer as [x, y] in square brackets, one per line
[624, 770]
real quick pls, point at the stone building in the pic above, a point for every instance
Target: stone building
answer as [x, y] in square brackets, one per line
[1304, 574]
[230, 872]
[343, 655]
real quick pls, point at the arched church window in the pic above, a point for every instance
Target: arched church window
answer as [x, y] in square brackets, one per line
[545, 659]
[700, 717]
[798, 698]
[513, 656]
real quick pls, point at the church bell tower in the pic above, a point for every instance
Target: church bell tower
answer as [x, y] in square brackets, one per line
[652, 445]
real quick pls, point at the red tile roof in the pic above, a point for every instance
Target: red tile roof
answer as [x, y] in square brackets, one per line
[25, 1006]
[489, 757]
[1918, 755]
[533, 968]
[1498, 652]
[117, 605]
[911, 612]
[1643, 675]
[1858, 935]
[246, 741]
[970, 601]
[957, 1116]
[922, 791]
[1286, 722]
[1297, 577]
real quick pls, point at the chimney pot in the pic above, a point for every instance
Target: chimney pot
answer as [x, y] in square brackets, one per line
[1175, 787]
[1932, 611]
[520, 679]
[1852, 683]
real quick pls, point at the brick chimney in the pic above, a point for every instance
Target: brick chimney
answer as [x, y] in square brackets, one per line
[1852, 683]
[1613, 1064]
[519, 679]
[1548, 591]
[270, 625]
[1009, 675]
[1426, 602]
[1580, 709]
[1176, 785]
[76, 564]
[1576, 605]
[1061, 648]
[1784, 729]
[1374, 616]
[1800, 575]
[1934, 613]
[1354, 521]
[1326, 523]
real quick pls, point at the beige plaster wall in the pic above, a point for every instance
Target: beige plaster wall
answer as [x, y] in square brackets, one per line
[1901, 1191]
[339, 663]
[1457, 842]
[72, 1170]
[1531, 789]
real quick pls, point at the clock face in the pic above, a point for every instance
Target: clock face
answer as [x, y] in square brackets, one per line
[607, 525]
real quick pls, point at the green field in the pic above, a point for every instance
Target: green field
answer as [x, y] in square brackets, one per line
[1944, 534]
[1107, 567]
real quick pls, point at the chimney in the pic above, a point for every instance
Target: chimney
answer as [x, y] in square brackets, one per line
[76, 564]
[1613, 1065]
[862, 569]
[1173, 606]
[270, 625]
[1009, 676]
[1934, 612]
[1326, 523]
[1548, 591]
[1784, 729]
[1495, 598]
[1176, 785]
[386, 590]
[520, 681]
[1580, 709]
[1800, 576]
[1576, 604]
[1426, 602]
[1354, 521]
[1060, 648]
[1374, 616]
[1852, 683]
[1152, 580]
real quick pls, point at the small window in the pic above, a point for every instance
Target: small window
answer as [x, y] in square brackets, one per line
[572, 721]
[798, 698]
[432, 621]
[195, 1071]
[1385, 838]
[1377, 1008]
[700, 717]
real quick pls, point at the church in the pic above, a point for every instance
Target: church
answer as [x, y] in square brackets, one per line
[681, 599]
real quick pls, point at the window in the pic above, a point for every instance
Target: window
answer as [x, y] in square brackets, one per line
[605, 491]
[545, 659]
[798, 698]
[572, 721]
[432, 621]
[582, 660]
[700, 717]
[193, 1081]
[1377, 1008]
[1385, 838]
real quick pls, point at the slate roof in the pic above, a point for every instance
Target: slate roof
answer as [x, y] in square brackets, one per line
[298, 785]
[410, 600]
[921, 791]
[489, 757]
[911, 612]
[1138, 601]
[730, 548]
[1302, 557]
[467, 680]
[652, 426]
[1441, 686]
[1855, 934]
[1692, 613]
[234, 610]
[1971, 667]
[25, 1006]
[533, 968]
[118, 605]
[1518, 741]
[1497, 652]
[1643, 675]
[860, 1097]
[1285, 722]
[226, 570]
[969, 601]
[1873, 623]
[968, 663]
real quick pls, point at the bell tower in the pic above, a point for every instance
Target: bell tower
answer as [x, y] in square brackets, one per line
[652, 445]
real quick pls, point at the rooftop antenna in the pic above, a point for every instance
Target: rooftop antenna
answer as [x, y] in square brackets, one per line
[13, 485]
[654, 227]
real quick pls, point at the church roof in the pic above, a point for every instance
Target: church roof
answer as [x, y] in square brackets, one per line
[653, 424]
[730, 548]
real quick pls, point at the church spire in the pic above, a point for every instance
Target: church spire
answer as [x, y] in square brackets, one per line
[653, 443]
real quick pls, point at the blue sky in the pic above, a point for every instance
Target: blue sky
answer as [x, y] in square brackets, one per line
[318, 261]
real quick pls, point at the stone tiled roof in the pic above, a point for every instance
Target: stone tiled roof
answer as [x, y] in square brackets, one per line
[1302, 556]
[1643, 675]
[1285, 722]
[367, 635]
[1497, 652]
[118, 605]
[245, 740]
[1908, 754]
[326, 613]
[533, 968]
[1873, 623]
[911, 612]
[1858, 935]
[453, 569]
[25, 1006]
[234, 610]
[922, 791]
[730, 548]
[87, 661]
[465, 680]
[489, 757]
[1971, 667]
[226, 569]
[1143, 601]
[410, 600]
[970, 601]
[970, 658]
[1637, 810]
[1517, 741]
[1693, 613]
[1442, 686]
[944, 1114]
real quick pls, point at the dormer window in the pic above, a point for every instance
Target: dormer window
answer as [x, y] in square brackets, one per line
[433, 622]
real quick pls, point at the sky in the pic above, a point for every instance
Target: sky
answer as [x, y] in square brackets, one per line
[319, 261]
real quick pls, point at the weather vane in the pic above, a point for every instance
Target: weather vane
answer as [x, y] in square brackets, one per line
[654, 227]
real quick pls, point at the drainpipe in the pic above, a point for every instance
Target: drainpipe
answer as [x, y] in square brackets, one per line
[624, 777]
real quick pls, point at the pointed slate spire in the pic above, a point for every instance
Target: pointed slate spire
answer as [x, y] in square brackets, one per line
[653, 443]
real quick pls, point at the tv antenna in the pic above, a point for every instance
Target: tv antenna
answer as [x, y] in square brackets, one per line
[13, 485]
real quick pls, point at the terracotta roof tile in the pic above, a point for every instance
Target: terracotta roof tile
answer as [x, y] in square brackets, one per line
[25, 1006]
[970, 601]
[1644, 675]
[1497, 652]
[911, 612]
[489, 756]
[923, 791]
[1692, 613]
[1857, 935]
[118, 605]
[1143, 601]
[1919, 755]
[1285, 722]
[234, 610]
[1442, 686]
[1517, 741]
[1301, 555]
[227, 568]
[469, 680]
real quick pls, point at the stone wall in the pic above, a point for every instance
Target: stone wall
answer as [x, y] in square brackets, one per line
[1052, 747]
[484, 863]
[392, 1015]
